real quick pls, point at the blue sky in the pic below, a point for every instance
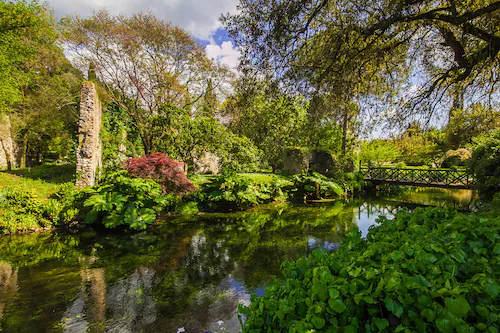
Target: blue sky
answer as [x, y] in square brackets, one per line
[200, 17]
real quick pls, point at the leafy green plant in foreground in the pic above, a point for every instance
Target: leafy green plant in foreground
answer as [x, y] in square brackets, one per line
[431, 270]
[122, 200]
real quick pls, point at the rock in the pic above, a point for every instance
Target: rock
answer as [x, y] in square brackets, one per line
[208, 163]
[323, 162]
[295, 160]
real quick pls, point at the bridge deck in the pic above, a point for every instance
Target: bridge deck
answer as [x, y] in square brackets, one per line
[446, 178]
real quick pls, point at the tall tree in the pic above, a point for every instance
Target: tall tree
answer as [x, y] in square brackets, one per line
[146, 64]
[39, 91]
[358, 44]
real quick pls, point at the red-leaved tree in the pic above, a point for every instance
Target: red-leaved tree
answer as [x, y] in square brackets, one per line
[164, 170]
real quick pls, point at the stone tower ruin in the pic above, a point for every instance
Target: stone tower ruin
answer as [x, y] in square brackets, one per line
[89, 150]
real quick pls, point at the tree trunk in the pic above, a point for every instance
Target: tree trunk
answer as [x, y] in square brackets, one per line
[24, 150]
[458, 100]
[345, 124]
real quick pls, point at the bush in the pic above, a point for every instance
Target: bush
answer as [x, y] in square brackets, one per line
[26, 211]
[232, 191]
[485, 164]
[427, 271]
[165, 171]
[314, 187]
[121, 200]
[457, 157]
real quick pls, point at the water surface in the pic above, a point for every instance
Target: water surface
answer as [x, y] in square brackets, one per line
[185, 274]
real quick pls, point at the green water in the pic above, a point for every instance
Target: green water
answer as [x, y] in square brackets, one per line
[183, 274]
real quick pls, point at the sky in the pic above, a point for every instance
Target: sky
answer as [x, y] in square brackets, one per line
[200, 17]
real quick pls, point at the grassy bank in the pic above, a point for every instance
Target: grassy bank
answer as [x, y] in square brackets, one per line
[32, 199]
[44, 196]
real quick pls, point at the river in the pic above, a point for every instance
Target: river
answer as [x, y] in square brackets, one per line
[184, 274]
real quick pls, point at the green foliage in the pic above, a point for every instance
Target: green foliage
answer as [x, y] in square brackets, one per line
[187, 139]
[24, 210]
[271, 122]
[121, 200]
[234, 191]
[416, 146]
[485, 164]
[466, 124]
[378, 152]
[314, 186]
[22, 26]
[429, 270]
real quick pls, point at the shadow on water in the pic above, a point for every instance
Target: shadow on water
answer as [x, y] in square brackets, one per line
[189, 272]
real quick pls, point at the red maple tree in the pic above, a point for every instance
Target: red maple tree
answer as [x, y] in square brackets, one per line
[166, 171]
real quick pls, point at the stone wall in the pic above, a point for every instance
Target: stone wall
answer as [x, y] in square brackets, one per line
[295, 160]
[324, 163]
[89, 150]
[208, 163]
[7, 145]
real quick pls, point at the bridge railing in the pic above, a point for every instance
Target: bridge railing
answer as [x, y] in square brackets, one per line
[432, 177]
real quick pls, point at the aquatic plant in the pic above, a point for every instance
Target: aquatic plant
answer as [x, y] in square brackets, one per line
[429, 270]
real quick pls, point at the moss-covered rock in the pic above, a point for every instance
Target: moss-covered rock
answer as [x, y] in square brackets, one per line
[324, 162]
[295, 160]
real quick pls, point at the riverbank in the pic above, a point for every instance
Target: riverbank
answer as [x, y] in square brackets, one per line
[44, 197]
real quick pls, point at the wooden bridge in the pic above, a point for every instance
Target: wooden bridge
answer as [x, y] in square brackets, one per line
[447, 178]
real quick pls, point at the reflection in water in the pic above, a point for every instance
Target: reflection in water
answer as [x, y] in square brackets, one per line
[8, 285]
[186, 273]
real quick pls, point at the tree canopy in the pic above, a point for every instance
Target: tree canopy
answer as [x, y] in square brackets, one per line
[371, 47]
[145, 63]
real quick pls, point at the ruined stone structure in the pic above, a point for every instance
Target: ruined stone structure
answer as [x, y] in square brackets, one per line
[89, 150]
[208, 163]
[324, 163]
[7, 145]
[295, 160]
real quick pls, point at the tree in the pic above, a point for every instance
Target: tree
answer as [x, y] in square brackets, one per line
[485, 163]
[21, 28]
[416, 146]
[188, 138]
[146, 64]
[466, 124]
[369, 47]
[40, 89]
[378, 151]
[272, 123]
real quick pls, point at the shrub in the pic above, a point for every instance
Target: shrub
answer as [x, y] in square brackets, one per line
[165, 171]
[314, 187]
[25, 210]
[426, 271]
[457, 157]
[485, 164]
[233, 191]
[121, 200]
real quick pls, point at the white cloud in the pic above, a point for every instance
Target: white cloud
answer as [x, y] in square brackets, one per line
[226, 54]
[200, 17]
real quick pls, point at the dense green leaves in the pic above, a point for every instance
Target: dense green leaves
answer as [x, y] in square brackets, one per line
[429, 270]
[121, 200]
[485, 164]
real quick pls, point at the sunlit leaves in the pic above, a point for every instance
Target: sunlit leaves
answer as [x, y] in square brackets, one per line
[427, 290]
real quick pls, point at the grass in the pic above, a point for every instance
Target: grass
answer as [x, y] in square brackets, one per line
[43, 179]
[39, 184]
